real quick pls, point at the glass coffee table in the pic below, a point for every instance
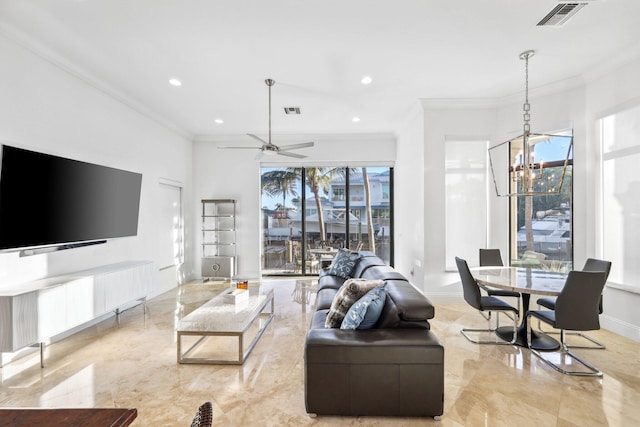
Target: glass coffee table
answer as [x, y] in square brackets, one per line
[201, 330]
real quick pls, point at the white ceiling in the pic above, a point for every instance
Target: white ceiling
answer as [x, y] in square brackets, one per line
[317, 51]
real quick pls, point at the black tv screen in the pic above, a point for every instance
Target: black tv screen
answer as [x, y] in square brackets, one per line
[47, 200]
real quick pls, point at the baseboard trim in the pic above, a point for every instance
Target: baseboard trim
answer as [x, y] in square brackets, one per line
[620, 327]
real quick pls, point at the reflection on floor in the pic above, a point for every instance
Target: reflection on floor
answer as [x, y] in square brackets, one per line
[133, 364]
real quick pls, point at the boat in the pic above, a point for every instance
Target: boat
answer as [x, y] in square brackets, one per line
[551, 234]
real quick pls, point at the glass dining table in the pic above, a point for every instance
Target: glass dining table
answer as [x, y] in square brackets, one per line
[526, 281]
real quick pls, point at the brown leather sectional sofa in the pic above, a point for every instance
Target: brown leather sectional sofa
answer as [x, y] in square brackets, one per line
[394, 369]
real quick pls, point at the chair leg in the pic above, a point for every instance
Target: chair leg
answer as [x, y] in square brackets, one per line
[592, 370]
[464, 331]
[513, 316]
[597, 344]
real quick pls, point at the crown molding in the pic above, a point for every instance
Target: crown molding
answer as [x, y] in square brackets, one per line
[47, 54]
[554, 88]
[279, 138]
[625, 57]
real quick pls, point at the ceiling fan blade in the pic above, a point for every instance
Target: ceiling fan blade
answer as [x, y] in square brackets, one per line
[296, 146]
[262, 141]
[288, 154]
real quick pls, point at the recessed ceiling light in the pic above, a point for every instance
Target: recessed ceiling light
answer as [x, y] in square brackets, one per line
[175, 82]
[355, 119]
[366, 80]
[219, 121]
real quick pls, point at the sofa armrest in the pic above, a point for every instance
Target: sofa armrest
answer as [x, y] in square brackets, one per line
[377, 372]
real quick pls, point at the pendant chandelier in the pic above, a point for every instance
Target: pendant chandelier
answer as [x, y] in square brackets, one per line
[528, 172]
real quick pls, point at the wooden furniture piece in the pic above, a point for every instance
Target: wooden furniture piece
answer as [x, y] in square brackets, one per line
[76, 417]
[218, 239]
[324, 255]
[217, 318]
[526, 281]
[33, 312]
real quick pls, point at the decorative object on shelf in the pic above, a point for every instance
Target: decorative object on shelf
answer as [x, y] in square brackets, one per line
[242, 284]
[218, 239]
[267, 146]
[526, 169]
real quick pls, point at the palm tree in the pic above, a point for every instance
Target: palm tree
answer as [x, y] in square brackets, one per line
[528, 222]
[280, 182]
[367, 198]
[319, 179]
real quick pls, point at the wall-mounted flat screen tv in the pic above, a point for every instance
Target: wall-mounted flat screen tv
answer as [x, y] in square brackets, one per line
[49, 201]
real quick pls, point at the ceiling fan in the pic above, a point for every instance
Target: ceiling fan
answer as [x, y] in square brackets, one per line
[267, 146]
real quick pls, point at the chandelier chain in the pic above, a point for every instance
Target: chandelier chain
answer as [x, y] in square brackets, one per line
[526, 107]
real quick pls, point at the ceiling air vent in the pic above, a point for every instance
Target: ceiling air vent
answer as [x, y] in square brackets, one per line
[560, 14]
[292, 110]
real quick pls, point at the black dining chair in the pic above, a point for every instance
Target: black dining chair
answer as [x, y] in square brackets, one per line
[576, 310]
[489, 304]
[492, 257]
[591, 264]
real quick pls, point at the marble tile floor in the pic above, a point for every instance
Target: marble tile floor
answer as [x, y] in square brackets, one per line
[133, 364]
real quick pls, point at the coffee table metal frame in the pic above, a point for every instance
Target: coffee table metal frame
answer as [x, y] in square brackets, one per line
[254, 311]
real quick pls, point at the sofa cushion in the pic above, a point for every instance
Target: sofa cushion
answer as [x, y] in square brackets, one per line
[405, 307]
[365, 262]
[344, 263]
[324, 298]
[326, 280]
[349, 293]
[365, 312]
[384, 272]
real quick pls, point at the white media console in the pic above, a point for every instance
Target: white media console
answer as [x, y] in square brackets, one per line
[33, 312]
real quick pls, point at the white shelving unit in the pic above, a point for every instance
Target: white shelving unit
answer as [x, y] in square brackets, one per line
[218, 239]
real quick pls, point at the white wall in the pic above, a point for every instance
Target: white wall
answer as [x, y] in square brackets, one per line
[235, 174]
[615, 91]
[571, 104]
[409, 199]
[496, 121]
[47, 108]
[443, 120]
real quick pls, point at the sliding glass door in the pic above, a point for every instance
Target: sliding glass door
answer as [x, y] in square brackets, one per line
[308, 213]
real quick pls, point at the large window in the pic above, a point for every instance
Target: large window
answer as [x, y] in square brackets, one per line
[542, 223]
[621, 195]
[308, 210]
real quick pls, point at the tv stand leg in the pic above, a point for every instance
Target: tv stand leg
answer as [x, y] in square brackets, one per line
[41, 355]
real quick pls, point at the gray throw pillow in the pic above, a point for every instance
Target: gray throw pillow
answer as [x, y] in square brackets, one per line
[350, 292]
[365, 312]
